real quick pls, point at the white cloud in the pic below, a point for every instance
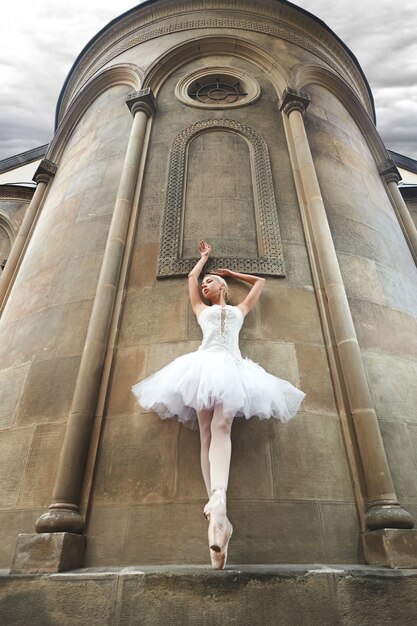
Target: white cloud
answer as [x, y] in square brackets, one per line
[41, 40]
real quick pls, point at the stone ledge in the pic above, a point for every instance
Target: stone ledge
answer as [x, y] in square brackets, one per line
[244, 570]
[283, 595]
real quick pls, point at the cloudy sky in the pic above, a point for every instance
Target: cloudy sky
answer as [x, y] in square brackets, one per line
[40, 40]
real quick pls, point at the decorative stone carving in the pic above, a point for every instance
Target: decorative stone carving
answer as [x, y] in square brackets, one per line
[142, 100]
[46, 170]
[389, 172]
[112, 45]
[12, 192]
[294, 100]
[270, 260]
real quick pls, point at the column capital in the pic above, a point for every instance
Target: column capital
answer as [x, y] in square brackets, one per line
[142, 100]
[294, 100]
[389, 172]
[46, 170]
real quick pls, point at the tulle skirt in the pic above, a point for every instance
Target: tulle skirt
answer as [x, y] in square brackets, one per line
[200, 380]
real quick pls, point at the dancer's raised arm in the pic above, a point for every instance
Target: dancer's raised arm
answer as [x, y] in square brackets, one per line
[257, 283]
[193, 289]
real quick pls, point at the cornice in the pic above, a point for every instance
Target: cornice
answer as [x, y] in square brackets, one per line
[16, 192]
[154, 19]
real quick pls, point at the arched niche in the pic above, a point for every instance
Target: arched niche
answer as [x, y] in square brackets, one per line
[260, 207]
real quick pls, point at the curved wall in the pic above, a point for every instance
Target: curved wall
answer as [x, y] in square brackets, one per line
[147, 471]
[379, 273]
[45, 320]
[293, 489]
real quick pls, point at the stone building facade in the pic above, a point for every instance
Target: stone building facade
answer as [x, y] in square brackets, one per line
[249, 125]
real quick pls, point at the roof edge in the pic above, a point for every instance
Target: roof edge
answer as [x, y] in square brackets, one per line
[146, 3]
[23, 158]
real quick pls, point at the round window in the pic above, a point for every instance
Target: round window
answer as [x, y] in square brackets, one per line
[217, 88]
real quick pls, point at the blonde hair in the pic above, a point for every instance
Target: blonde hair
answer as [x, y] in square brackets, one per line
[222, 282]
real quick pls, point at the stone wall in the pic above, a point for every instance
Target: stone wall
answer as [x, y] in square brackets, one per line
[283, 478]
[12, 212]
[44, 324]
[291, 492]
[190, 596]
[380, 277]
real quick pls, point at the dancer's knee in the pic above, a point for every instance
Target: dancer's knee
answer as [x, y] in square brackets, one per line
[221, 424]
[205, 436]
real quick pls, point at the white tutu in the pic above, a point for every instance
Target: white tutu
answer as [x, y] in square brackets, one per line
[217, 374]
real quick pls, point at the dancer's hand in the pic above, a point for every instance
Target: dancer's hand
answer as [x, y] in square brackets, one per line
[221, 271]
[205, 249]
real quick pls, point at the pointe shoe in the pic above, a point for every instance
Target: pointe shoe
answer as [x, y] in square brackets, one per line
[217, 500]
[219, 537]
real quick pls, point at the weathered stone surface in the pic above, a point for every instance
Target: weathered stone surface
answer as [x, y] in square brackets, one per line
[280, 311]
[361, 278]
[383, 329]
[341, 532]
[400, 291]
[34, 335]
[48, 552]
[106, 535]
[166, 533]
[11, 386]
[137, 460]
[13, 522]
[351, 236]
[269, 532]
[314, 378]
[400, 441]
[308, 458]
[297, 269]
[41, 467]
[41, 602]
[144, 306]
[275, 532]
[225, 159]
[77, 279]
[48, 391]
[70, 341]
[234, 597]
[31, 296]
[143, 266]
[128, 369]
[14, 449]
[393, 383]
[251, 468]
[391, 547]
[190, 596]
[190, 484]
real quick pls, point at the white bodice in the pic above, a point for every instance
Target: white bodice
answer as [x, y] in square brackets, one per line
[221, 327]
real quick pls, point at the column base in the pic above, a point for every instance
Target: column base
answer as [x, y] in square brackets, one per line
[391, 547]
[48, 552]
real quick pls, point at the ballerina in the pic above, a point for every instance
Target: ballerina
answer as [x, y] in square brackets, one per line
[209, 387]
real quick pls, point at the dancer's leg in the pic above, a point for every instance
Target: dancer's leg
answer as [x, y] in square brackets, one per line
[204, 420]
[220, 529]
[220, 449]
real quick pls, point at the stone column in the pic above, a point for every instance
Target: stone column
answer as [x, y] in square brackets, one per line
[43, 175]
[392, 177]
[383, 511]
[63, 519]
